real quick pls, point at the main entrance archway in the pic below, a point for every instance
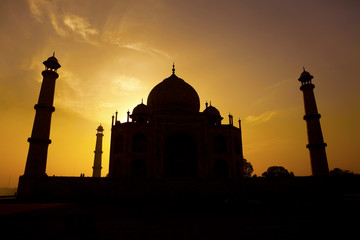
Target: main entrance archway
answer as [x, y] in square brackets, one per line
[180, 156]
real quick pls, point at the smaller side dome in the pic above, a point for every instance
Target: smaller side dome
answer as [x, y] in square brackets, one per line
[141, 109]
[214, 117]
[141, 114]
[212, 112]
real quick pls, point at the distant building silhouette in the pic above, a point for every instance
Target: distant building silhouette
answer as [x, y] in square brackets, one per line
[98, 152]
[39, 140]
[316, 146]
[170, 138]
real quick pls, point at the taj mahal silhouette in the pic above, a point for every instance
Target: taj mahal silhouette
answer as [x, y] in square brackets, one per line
[165, 146]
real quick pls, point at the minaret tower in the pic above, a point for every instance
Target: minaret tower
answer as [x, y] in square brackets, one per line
[98, 152]
[39, 140]
[316, 146]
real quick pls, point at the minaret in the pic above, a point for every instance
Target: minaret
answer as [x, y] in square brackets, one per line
[316, 146]
[98, 152]
[39, 140]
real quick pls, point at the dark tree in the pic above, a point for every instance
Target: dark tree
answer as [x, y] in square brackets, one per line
[248, 168]
[277, 172]
[340, 172]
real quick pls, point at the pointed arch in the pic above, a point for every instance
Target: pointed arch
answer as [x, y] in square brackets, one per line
[180, 156]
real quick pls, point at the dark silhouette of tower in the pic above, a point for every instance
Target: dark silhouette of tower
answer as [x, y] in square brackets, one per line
[39, 140]
[98, 152]
[316, 146]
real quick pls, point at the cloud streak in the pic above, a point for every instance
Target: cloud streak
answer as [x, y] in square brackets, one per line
[64, 24]
[80, 26]
[264, 117]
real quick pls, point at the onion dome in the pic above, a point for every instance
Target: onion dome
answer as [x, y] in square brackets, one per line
[173, 95]
[52, 63]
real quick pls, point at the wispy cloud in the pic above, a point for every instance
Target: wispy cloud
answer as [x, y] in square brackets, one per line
[64, 24]
[125, 83]
[143, 47]
[80, 26]
[35, 8]
[42, 9]
[118, 38]
[264, 117]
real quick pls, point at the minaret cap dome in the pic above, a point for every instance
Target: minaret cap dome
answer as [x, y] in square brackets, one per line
[52, 59]
[52, 62]
[305, 76]
[100, 129]
[305, 73]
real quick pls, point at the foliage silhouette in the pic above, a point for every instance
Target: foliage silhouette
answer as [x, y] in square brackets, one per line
[277, 172]
[340, 172]
[248, 169]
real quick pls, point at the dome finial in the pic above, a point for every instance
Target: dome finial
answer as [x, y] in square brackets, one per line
[173, 69]
[54, 54]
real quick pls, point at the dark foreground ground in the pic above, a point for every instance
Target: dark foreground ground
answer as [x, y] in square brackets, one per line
[327, 210]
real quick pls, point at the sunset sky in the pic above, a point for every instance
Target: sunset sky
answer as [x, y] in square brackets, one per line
[244, 56]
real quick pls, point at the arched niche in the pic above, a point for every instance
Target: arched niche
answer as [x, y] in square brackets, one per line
[180, 156]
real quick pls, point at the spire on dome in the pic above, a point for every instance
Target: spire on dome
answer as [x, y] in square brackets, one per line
[173, 69]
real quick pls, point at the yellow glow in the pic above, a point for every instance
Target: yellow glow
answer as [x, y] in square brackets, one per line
[243, 57]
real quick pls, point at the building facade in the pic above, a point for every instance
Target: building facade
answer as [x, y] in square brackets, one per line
[171, 138]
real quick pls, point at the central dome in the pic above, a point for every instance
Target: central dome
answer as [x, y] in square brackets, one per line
[173, 95]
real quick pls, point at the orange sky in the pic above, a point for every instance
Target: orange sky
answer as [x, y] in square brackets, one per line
[243, 56]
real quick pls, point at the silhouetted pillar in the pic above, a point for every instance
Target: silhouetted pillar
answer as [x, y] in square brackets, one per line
[230, 119]
[39, 140]
[98, 152]
[241, 169]
[316, 146]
